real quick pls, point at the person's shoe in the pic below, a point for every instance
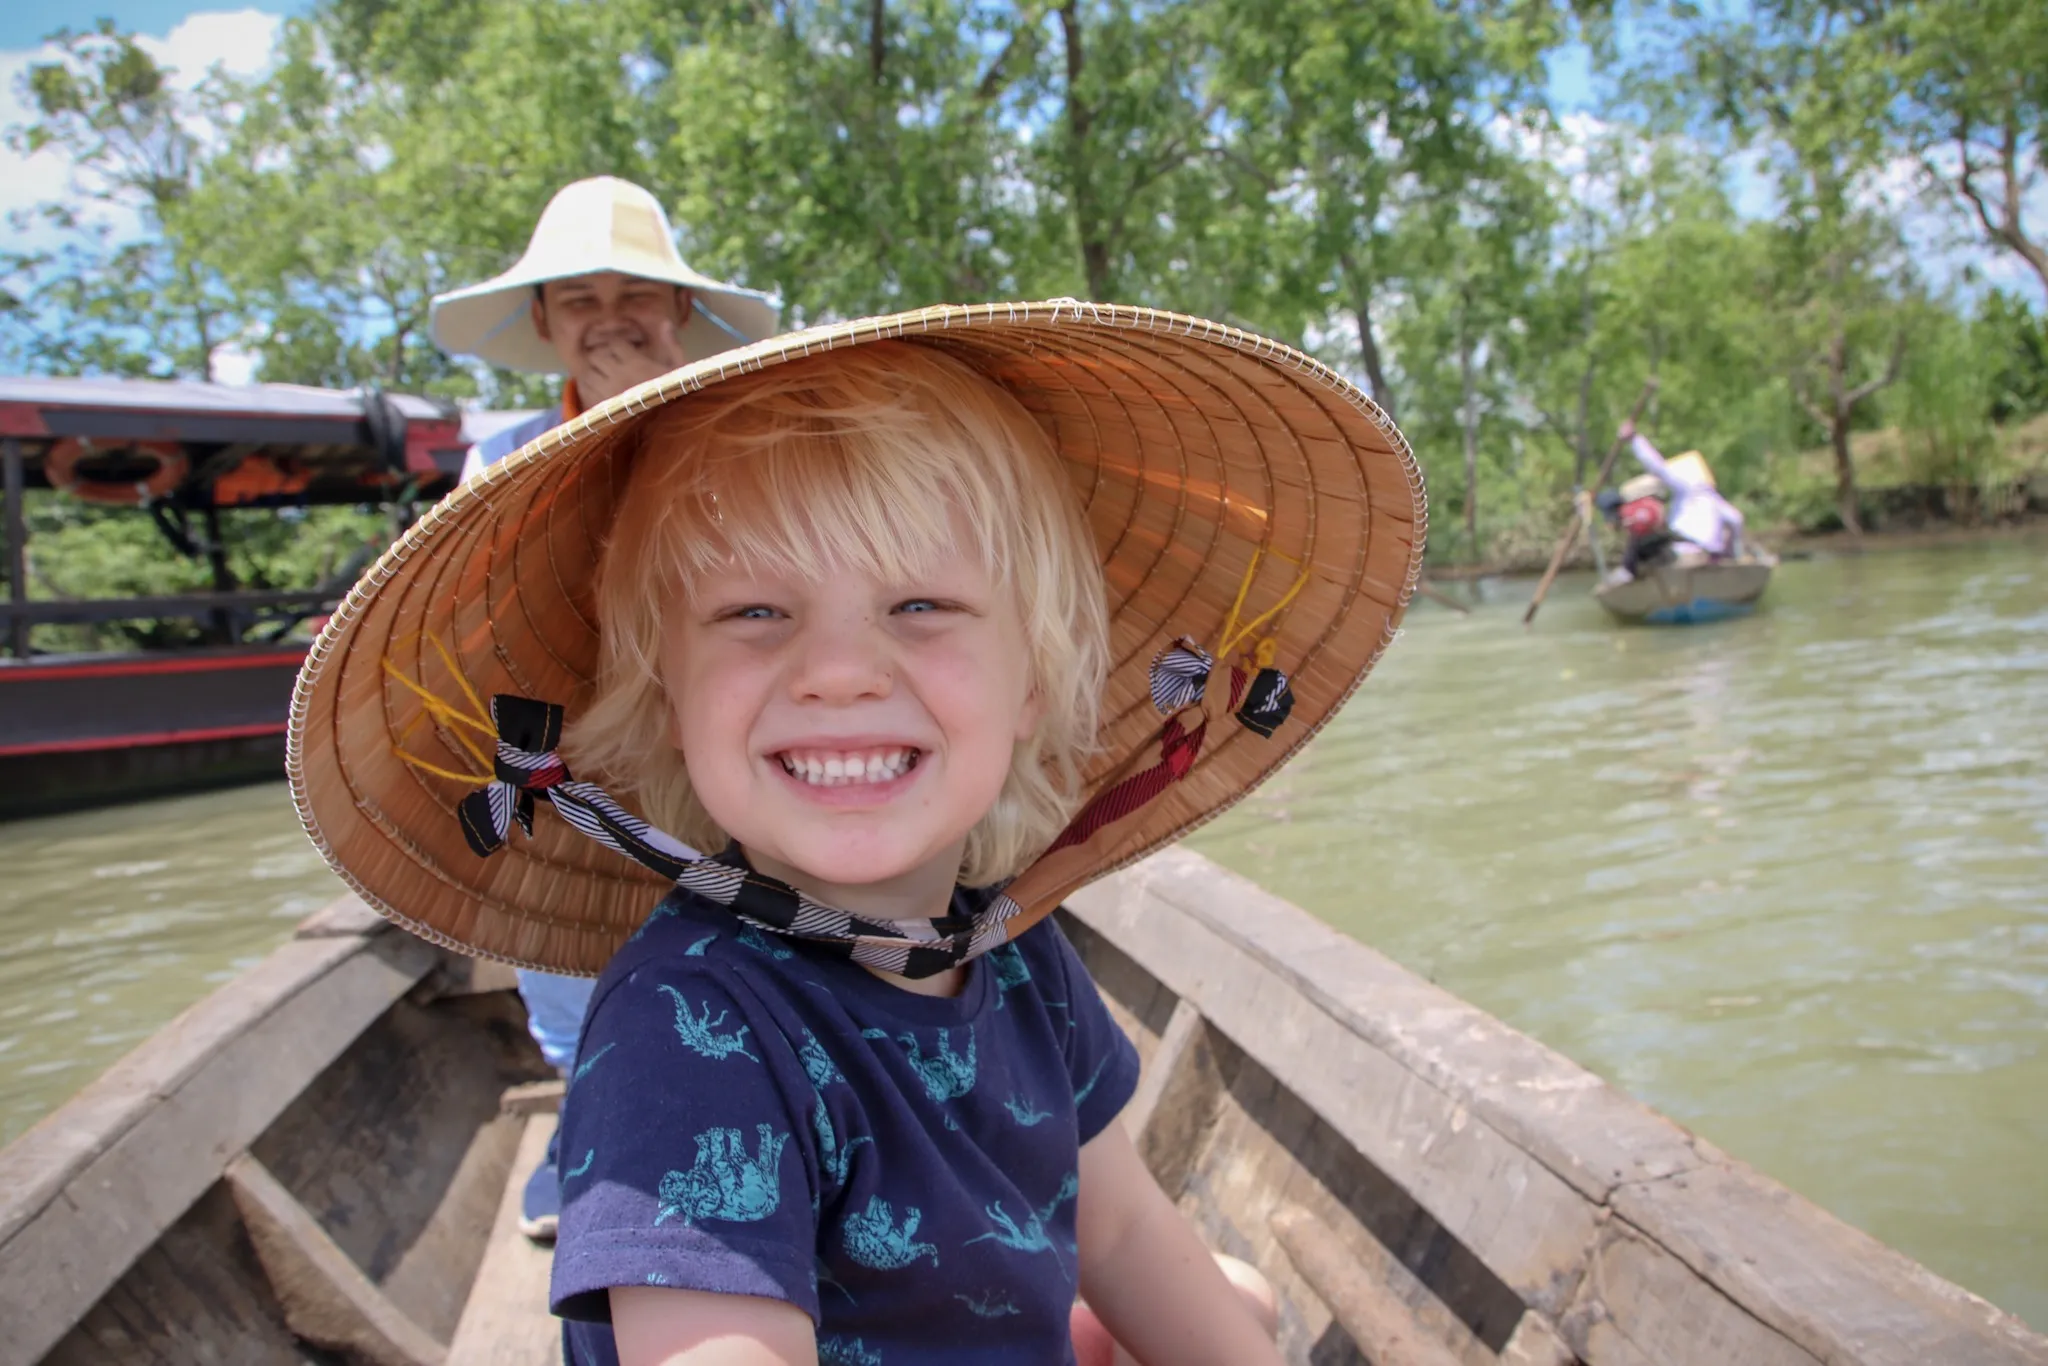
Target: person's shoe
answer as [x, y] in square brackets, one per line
[540, 1208]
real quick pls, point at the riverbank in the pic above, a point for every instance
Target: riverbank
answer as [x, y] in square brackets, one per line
[1789, 542]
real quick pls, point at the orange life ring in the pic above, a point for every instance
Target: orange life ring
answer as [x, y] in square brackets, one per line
[126, 475]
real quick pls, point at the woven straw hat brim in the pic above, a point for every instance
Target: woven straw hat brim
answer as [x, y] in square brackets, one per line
[1212, 464]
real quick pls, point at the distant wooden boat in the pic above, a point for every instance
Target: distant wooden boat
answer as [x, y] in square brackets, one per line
[328, 1154]
[1680, 595]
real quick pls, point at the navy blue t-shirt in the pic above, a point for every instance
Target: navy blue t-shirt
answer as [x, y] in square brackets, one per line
[751, 1117]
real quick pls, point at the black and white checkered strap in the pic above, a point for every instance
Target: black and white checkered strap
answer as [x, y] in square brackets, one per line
[527, 767]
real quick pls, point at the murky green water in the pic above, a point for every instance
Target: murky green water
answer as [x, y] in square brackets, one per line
[113, 921]
[1785, 878]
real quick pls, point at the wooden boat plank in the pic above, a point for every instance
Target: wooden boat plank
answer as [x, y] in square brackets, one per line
[1182, 1033]
[207, 1108]
[1378, 1320]
[340, 918]
[327, 1300]
[1643, 1305]
[198, 1295]
[406, 1185]
[1528, 1225]
[1536, 1342]
[1833, 1289]
[1585, 1131]
[55, 1150]
[506, 1322]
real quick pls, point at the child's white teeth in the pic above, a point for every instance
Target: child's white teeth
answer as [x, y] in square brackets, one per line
[840, 770]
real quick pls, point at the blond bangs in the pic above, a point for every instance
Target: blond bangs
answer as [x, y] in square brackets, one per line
[875, 461]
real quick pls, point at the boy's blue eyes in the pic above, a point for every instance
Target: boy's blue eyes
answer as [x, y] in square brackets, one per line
[763, 612]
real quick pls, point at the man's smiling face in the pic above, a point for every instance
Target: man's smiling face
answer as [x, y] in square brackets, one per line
[611, 331]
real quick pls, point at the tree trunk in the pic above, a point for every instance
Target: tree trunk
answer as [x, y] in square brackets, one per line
[1368, 344]
[1089, 229]
[1845, 476]
[1471, 424]
[1583, 456]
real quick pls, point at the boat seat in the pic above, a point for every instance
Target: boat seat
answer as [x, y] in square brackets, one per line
[506, 1321]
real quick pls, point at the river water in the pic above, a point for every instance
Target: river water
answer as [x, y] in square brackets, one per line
[1783, 878]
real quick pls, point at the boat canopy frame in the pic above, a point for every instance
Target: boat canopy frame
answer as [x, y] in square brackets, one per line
[337, 448]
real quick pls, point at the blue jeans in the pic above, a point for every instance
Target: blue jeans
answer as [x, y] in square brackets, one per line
[554, 1013]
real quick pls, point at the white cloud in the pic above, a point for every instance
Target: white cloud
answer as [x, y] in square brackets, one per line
[240, 41]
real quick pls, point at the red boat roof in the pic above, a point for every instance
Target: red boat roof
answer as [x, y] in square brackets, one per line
[352, 441]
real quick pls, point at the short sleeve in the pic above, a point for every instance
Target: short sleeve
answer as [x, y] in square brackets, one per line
[684, 1156]
[1100, 1057]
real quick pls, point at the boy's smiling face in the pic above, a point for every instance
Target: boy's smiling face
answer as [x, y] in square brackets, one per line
[849, 732]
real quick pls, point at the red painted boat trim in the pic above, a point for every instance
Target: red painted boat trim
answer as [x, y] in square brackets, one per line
[145, 739]
[173, 664]
[22, 419]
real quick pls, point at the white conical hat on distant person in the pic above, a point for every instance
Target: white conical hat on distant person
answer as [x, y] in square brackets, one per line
[603, 223]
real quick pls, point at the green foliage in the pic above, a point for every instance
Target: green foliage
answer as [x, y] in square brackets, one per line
[1380, 184]
[79, 550]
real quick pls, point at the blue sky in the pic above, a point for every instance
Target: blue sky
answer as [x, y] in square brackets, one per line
[24, 23]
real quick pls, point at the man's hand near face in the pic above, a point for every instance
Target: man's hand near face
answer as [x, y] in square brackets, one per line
[616, 364]
[612, 331]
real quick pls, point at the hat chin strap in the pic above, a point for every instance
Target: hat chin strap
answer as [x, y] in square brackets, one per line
[526, 768]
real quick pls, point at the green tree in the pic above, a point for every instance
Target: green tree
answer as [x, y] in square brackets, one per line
[104, 301]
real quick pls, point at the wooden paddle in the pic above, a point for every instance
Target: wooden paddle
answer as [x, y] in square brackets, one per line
[1571, 532]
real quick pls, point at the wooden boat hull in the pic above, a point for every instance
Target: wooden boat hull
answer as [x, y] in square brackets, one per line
[86, 731]
[324, 1152]
[1679, 595]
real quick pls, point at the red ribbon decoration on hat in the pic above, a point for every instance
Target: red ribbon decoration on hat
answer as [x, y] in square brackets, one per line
[1178, 749]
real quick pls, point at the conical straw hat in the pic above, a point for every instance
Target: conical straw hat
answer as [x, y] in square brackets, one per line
[594, 225]
[1692, 467]
[1225, 477]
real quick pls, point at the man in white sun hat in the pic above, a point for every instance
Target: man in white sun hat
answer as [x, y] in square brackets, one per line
[602, 298]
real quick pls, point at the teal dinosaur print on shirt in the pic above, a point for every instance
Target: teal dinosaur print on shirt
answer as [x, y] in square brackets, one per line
[1082, 1093]
[696, 950]
[658, 913]
[873, 1238]
[1070, 1186]
[581, 1167]
[946, 1075]
[1025, 1113]
[752, 937]
[818, 1064]
[583, 1067]
[699, 1032]
[1030, 1236]
[1010, 968]
[831, 1156]
[1034, 1234]
[993, 1305]
[837, 1351]
[724, 1183]
[657, 1278]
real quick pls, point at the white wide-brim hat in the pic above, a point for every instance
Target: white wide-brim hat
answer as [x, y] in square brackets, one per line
[599, 224]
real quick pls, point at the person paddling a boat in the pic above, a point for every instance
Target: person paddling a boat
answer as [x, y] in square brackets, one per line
[1706, 525]
[602, 298]
[1638, 509]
